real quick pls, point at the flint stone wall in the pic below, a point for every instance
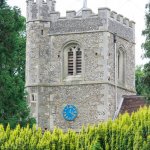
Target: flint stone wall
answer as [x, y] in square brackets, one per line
[95, 103]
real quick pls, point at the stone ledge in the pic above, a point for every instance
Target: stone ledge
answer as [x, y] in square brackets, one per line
[84, 32]
[75, 84]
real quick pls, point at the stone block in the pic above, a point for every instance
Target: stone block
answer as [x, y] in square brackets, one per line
[86, 13]
[104, 12]
[70, 14]
[132, 24]
[54, 16]
[120, 18]
[126, 21]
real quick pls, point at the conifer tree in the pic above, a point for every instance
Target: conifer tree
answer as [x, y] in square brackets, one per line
[13, 106]
[146, 47]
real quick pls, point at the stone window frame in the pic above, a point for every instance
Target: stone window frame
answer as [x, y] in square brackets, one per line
[75, 76]
[121, 65]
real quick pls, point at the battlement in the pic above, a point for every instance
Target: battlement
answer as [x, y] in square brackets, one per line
[122, 19]
[85, 21]
[87, 13]
[45, 10]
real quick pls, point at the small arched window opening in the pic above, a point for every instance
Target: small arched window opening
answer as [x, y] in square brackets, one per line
[121, 66]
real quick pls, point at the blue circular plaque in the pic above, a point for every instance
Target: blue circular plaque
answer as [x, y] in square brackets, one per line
[70, 112]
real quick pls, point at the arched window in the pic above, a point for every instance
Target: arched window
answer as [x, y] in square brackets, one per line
[72, 60]
[121, 66]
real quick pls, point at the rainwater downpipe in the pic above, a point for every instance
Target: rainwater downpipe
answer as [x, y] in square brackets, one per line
[116, 81]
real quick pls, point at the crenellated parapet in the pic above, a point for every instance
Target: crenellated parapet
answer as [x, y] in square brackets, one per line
[45, 10]
[87, 21]
[123, 20]
[87, 13]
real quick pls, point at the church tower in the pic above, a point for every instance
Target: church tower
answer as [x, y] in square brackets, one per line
[78, 67]
[37, 48]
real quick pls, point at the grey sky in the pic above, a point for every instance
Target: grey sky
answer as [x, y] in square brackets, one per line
[132, 9]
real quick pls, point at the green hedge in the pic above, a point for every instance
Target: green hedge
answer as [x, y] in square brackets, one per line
[125, 133]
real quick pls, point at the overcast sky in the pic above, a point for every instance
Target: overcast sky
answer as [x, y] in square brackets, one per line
[132, 9]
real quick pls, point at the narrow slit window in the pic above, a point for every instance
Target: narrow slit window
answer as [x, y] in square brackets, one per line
[32, 97]
[42, 32]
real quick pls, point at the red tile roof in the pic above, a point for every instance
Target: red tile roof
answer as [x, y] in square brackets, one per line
[132, 103]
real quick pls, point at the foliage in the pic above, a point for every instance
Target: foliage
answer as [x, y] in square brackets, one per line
[13, 106]
[139, 80]
[146, 47]
[141, 87]
[1, 2]
[125, 133]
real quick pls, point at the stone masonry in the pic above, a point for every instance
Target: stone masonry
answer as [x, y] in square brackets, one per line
[48, 85]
